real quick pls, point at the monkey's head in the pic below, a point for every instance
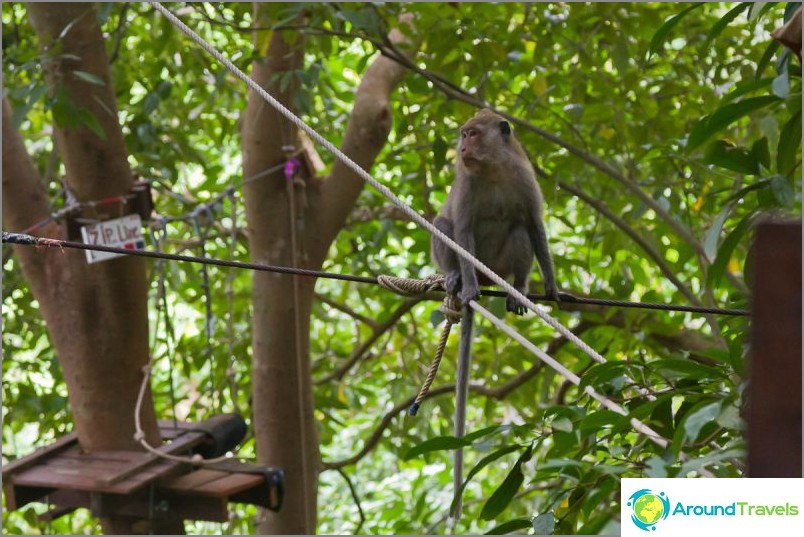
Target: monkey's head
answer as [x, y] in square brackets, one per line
[486, 139]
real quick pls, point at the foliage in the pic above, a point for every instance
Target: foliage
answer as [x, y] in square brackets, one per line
[624, 83]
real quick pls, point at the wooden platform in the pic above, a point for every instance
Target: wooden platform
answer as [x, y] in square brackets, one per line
[138, 483]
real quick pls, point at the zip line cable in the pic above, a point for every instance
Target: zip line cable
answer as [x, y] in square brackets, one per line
[16, 238]
[28, 240]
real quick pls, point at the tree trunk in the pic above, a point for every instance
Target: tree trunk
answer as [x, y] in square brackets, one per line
[282, 386]
[96, 314]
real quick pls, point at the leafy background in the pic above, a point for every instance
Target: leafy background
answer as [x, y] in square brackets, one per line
[693, 104]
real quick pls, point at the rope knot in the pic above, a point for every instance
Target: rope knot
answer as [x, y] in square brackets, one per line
[452, 308]
[412, 286]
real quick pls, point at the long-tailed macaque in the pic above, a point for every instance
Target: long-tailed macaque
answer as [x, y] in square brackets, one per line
[494, 211]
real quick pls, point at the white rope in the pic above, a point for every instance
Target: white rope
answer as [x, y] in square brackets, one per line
[385, 191]
[567, 374]
[139, 434]
[574, 379]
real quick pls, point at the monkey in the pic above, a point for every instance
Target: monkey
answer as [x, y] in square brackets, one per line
[494, 211]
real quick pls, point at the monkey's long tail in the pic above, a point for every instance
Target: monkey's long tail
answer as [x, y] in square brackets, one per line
[461, 394]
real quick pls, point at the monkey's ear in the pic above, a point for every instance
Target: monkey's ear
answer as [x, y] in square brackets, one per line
[505, 128]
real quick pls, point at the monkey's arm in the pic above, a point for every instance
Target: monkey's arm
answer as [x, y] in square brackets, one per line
[470, 289]
[539, 237]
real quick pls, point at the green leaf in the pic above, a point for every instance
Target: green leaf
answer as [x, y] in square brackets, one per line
[436, 317]
[713, 234]
[501, 497]
[760, 152]
[439, 152]
[544, 524]
[89, 77]
[781, 85]
[740, 194]
[726, 155]
[485, 461]
[150, 103]
[487, 431]
[562, 424]
[32, 97]
[782, 190]
[773, 46]
[724, 253]
[655, 467]
[696, 419]
[439, 443]
[787, 152]
[747, 87]
[661, 34]
[758, 9]
[695, 464]
[725, 116]
[724, 21]
[91, 122]
[595, 525]
[512, 526]
[684, 369]
[599, 420]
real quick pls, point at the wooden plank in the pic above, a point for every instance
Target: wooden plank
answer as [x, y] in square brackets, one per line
[183, 443]
[80, 478]
[44, 476]
[116, 456]
[197, 507]
[229, 485]
[163, 504]
[265, 496]
[193, 480]
[20, 464]
[20, 495]
[774, 390]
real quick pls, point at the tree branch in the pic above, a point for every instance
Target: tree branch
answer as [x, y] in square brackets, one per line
[348, 311]
[356, 499]
[376, 334]
[366, 134]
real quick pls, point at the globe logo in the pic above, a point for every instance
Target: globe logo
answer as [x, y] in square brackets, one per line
[648, 508]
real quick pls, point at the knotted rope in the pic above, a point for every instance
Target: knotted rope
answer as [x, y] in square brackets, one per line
[451, 307]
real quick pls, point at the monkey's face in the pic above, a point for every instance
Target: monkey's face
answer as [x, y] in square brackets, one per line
[483, 138]
[471, 146]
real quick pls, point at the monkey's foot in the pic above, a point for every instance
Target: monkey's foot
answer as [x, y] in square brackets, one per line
[452, 282]
[515, 306]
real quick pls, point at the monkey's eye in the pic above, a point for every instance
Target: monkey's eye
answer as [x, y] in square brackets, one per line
[471, 133]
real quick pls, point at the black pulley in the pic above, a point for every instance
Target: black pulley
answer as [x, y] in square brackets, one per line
[224, 432]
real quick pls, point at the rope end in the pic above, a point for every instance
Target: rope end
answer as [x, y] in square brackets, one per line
[414, 408]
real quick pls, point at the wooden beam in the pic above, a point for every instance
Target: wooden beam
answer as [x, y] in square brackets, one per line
[774, 388]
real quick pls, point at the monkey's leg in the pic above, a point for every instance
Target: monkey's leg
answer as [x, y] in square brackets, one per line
[519, 250]
[445, 257]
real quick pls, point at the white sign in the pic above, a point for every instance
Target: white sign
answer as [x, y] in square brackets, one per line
[712, 506]
[125, 232]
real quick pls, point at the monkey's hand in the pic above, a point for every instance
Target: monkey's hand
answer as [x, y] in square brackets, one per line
[470, 292]
[452, 282]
